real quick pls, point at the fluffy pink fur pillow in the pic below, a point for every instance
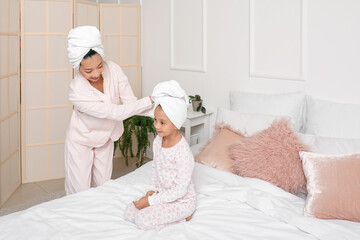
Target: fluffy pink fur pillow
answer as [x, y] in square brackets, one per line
[271, 155]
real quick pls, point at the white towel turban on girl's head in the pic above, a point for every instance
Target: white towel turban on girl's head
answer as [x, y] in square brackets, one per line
[80, 41]
[173, 101]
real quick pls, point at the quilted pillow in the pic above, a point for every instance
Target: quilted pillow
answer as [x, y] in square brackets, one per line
[214, 153]
[271, 155]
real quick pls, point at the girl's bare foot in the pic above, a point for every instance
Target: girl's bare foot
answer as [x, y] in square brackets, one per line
[188, 218]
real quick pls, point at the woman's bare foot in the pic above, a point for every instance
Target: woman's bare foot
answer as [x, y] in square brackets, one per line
[188, 218]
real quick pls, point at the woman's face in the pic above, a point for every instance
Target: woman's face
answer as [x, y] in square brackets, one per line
[162, 123]
[91, 68]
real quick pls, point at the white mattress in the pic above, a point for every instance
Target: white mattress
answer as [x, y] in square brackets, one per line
[228, 207]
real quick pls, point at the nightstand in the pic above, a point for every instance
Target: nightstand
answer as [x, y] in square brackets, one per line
[197, 124]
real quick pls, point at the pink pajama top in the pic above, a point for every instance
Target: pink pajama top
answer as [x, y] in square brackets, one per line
[171, 173]
[98, 116]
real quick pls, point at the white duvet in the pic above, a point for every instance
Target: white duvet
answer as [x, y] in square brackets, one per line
[228, 207]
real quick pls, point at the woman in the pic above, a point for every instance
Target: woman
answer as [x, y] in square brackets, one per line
[96, 92]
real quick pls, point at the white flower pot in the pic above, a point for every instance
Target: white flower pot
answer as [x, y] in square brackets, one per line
[195, 104]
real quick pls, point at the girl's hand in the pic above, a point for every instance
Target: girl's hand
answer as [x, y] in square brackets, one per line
[142, 203]
[149, 193]
[152, 101]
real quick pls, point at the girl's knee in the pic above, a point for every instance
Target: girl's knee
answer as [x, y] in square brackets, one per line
[130, 212]
[143, 221]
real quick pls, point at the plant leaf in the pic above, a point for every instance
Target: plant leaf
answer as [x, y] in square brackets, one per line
[199, 107]
[139, 127]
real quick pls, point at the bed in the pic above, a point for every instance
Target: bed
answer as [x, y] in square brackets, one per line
[229, 206]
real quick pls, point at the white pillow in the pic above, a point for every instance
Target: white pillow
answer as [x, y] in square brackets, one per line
[246, 123]
[282, 104]
[329, 145]
[330, 119]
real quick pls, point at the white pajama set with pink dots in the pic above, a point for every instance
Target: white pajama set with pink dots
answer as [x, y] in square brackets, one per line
[174, 198]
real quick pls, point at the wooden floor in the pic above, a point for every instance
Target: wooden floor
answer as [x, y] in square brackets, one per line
[29, 191]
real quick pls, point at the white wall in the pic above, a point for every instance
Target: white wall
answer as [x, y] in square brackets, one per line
[334, 49]
[314, 42]
[227, 52]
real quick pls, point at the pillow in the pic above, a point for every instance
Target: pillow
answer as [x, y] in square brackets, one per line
[246, 123]
[329, 145]
[271, 155]
[333, 185]
[283, 104]
[329, 119]
[214, 153]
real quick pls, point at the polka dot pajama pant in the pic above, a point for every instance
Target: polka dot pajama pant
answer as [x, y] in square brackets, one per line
[159, 216]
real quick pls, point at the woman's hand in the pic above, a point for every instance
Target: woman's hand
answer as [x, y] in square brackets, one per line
[142, 203]
[152, 101]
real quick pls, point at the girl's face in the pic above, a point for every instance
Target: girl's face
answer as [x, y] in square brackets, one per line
[162, 123]
[91, 68]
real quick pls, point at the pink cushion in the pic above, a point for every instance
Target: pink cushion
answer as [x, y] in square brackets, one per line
[333, 185]
[214, 153]
[271, 155]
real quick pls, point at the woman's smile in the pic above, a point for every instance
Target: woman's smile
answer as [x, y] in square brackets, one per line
[95, 79]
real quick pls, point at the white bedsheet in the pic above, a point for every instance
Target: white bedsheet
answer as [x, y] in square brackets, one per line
[229, 207]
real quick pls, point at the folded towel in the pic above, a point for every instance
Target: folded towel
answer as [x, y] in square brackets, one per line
[173, 101]
[80, 41]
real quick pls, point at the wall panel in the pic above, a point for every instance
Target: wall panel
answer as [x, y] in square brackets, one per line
[86, 13]
[9, 97]
[121, 32]
[188, 35]
[276, 39]
[46, 75]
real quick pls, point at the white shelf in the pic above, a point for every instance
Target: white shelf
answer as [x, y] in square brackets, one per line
[198, 122]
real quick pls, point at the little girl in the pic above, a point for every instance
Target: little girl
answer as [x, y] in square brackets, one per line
[172, 197]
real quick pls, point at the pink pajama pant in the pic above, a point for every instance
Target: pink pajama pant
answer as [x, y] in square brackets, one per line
[83, 164]
[159, 216]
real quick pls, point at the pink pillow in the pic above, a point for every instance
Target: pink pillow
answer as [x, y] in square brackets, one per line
[333, 185]
[214, 153]
[271, 155]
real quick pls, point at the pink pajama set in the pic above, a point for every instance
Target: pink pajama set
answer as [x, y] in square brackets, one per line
[95, 124]
[174, 198]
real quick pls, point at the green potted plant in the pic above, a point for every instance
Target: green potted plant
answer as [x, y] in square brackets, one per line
[140, 127]
[197, 103]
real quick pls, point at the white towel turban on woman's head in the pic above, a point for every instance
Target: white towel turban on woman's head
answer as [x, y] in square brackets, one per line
[80, 41]
[173, 100]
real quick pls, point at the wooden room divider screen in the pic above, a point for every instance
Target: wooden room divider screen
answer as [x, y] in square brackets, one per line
[86, 13]
[45, 77]
[120, 27]
[9, 99]
[46, 72]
